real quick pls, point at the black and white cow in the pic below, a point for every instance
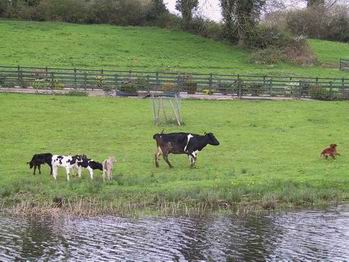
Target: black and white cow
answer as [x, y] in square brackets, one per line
[89, 164]
[77, 161]
[40, 159]
[182, 143]
[67, 162]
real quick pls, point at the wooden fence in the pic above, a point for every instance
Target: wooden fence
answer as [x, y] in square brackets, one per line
[228, 84]
[344, 64]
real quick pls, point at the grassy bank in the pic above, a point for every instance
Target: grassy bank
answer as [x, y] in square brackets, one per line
[71, 45]
[268, 157]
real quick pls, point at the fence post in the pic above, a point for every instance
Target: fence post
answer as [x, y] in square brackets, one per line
[239, 87]
[340, 63]
[75, 78]
[210, 81]
[148, 83]
[18, 76]
[264, 83]
[271, 86]
[85, 80]
[157, 80]
[116, 82]
[331, 90]
[52, 81]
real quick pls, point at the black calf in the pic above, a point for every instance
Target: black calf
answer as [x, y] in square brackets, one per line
[41, 159]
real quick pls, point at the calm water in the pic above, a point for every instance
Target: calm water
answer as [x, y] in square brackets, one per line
[307, 235]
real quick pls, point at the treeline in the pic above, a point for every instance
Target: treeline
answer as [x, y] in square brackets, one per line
[316, 22]
[117, 12]
[278, 36]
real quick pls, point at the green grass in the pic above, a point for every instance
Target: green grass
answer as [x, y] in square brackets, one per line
[329, 52]
[71, 45]
[269, 152]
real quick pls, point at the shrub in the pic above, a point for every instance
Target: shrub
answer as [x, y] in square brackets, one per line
[224, 87]
[263, 37]
[255, 89]
[129, 86]
[99, 81]
[41, 84]
[76, 93]
[321, 93]
[169, 87]
[2, 80]
[206, 28]
[186, 83]
[266, 56]
[207, 91]
[57, 85]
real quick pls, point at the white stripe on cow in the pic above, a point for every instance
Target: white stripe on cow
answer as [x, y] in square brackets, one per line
[189, 137]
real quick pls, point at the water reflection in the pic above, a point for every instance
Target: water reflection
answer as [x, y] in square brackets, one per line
[294, 236]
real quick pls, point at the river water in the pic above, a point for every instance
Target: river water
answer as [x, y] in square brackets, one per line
[296, 236]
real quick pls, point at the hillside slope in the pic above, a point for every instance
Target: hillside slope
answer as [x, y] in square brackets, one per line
[72, 45]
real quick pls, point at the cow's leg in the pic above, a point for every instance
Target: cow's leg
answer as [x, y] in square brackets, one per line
[104, 174]
[165, 156]
[54, 173]
[157, 156]
[90, 170]
[194, 156]
[39, 168]
[67, 169]
[50, 169]
[34, 170]
[110, 174]
[79, 171]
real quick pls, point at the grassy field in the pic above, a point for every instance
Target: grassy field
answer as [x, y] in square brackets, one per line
[269, 152]
[71, 45]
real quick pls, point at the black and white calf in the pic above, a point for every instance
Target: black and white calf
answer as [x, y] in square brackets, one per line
[89, 164]
[77, 161]
[182, 143]
[67, 162]
[40, 159]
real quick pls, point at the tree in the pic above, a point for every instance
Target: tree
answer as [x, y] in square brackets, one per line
[158, 8]
[240, 17]
[315, 3]
[186, 8]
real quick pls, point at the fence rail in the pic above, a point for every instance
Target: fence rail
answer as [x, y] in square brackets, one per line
[344, 64]
[123, 80]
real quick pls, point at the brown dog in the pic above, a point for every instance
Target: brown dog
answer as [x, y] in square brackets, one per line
[330, 152]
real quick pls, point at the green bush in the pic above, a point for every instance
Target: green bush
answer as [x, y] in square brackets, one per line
[169, 87]
[76, 93]
[255, 89]
[129, 86]
[263, 37]
[2, 80]
[267, 56]
[186, 83]
[56, 85]
[321, 93]
[41, 84]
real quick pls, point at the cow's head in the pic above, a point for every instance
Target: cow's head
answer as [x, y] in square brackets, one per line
[30, 164]
[212, 140]
[333, 146]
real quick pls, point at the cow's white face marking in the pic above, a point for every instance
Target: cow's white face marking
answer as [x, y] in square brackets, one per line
[189, 137]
